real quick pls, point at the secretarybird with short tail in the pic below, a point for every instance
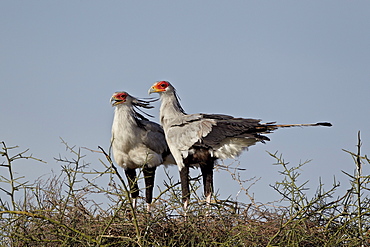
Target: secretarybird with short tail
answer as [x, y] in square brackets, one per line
[137, 143]
[201, 139]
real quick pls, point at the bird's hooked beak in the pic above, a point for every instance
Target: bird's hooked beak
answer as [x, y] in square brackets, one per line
[152, 90]
[116, 101]
[155, 88]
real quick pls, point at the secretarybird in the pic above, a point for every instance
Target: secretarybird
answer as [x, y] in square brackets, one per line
[137, 143]
[201, 139]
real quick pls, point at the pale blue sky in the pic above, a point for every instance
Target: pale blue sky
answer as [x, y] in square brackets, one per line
[284, 61]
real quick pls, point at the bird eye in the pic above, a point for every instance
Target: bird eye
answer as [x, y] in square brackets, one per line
[163, 85]
[122, 96]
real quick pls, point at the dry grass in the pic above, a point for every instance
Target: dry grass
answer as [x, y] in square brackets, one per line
[62, 211]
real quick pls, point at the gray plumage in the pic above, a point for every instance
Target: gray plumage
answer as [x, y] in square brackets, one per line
[137, 142]
[204, 138]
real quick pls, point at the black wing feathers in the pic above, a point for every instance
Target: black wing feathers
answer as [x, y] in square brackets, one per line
[230, 127]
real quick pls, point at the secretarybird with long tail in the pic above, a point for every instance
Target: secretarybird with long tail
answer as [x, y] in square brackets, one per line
[137, 143]
[201, 139]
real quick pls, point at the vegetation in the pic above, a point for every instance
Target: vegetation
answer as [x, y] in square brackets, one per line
[67, 210]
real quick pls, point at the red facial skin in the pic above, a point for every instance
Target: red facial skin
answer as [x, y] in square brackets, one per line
[161, 86]
[120, 96]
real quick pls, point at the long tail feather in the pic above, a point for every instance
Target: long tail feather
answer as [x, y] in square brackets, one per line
[327, 124]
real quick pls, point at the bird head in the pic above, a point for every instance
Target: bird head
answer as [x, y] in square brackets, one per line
[125, 98]
[120, 98]
[160, 87]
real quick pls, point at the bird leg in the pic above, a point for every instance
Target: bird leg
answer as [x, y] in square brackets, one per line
[184, 178]
[207, 173]
[132, 182]
[149, 174]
